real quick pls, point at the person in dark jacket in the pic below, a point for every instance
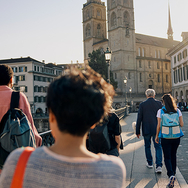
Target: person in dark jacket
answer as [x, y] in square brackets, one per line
[114, 134]
[114, 130]
[148, 120]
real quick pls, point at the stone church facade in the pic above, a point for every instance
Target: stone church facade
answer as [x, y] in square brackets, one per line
[141, 58]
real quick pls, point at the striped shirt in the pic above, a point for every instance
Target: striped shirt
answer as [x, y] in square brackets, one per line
[47, 169]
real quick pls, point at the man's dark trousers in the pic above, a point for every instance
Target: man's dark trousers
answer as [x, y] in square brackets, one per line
[148, 120]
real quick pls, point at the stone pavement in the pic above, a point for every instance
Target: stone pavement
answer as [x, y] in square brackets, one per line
[182, 155]
[138, 175]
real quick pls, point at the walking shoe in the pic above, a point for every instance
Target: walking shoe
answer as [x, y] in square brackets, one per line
[149, 166]
[171, 182]
[158, 170]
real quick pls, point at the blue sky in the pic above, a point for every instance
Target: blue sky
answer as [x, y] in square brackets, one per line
[51, 30]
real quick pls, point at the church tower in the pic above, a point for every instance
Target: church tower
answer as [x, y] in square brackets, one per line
[169, 31]
[94, 25]
[121, 35]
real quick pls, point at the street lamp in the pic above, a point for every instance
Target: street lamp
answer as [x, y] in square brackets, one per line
[125, 82]
[108, 59]
[130, 91]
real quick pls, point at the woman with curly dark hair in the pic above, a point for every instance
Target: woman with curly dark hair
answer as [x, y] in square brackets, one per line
[170, 135]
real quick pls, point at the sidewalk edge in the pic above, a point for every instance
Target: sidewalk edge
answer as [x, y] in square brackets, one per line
[181, 179]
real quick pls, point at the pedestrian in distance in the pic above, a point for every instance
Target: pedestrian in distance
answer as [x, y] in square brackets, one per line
[76, 102]
[6, 83]
[180, 105]
[184, 105]
[148, 121]
[168, 129]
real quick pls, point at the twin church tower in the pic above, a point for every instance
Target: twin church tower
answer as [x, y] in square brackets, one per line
[141, 58]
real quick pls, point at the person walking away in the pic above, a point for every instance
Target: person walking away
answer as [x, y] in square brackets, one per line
[147, 117]
[170, 136]
[114, 130]
[76, 102]
[180, 105]
[6, 83]
[105, 137]
[184, 105]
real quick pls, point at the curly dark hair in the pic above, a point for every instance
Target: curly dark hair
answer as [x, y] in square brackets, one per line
[6, 73]
[79, 100]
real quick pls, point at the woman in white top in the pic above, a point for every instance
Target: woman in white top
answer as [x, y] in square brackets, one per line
[169, 145]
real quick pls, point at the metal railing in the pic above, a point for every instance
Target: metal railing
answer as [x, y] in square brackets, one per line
[121, 112]
[48, 140]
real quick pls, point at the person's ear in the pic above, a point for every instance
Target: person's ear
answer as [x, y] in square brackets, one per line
[10, 84]
[53, 123]
[52, 118]
[11, 80]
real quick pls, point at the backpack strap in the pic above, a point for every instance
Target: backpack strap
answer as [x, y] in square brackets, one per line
[15, 100]
[18, 177]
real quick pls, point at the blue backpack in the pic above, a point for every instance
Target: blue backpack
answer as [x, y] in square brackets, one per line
[170, 125]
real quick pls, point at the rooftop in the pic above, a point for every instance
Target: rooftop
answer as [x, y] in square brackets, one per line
[94, 1]
[155, 41]
[21, 59]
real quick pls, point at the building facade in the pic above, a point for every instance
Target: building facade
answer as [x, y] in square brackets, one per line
[141, 58]
[32, 77]
[179, 69]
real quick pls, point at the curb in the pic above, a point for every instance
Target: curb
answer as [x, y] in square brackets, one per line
[181, 179]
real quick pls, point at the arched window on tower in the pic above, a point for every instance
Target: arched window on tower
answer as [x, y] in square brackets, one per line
[150, 84]
[99, 30]
[129, 75]
[140, 77]
[158, 77]
[126, 19]
[115, 75]
[140, 64]
[158, 65]
[88, 30]
[87, 14]
[113, 3]
[139, 51]
[155, 53]
[167, 78]
[126, 3]
[143, 52]
[99, 13]
[159, 54]
[113, 19]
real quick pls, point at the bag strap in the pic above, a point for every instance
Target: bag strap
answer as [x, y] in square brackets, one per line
[18, 177]
[15, 99]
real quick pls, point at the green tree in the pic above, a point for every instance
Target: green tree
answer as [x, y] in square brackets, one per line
[98, 63]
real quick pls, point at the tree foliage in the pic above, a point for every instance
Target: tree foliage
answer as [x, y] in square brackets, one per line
[98, 63]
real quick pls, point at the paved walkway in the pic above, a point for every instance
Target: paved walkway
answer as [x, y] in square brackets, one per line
[138, 175]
